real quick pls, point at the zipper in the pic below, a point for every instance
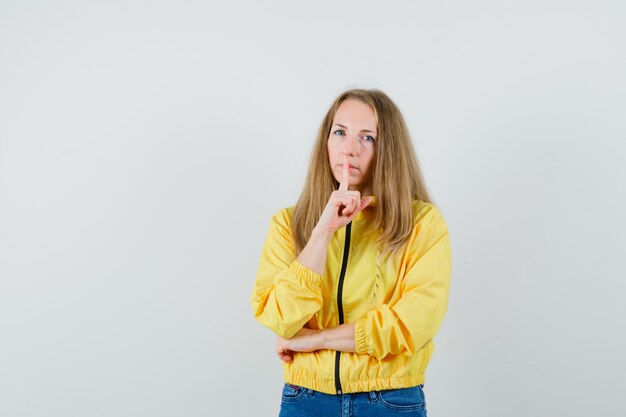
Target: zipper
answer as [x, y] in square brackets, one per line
[344, 264]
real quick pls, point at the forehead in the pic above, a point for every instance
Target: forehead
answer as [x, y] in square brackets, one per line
[355, 114]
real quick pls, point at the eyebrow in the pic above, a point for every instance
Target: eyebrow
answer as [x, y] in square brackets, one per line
[345, 127]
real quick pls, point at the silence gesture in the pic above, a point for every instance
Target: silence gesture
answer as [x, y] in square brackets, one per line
[343, 204]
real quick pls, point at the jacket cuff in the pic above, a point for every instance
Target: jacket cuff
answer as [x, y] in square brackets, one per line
[360, 338]
[305, 273]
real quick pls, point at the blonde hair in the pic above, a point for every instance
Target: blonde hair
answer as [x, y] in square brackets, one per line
[396, 176]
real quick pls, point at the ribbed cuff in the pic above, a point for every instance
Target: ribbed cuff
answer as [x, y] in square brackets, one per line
[360, 338]
[305, 273]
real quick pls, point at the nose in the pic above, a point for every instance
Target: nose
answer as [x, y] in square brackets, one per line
[351, 145]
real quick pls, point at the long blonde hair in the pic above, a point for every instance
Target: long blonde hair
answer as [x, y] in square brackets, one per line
[396, 176]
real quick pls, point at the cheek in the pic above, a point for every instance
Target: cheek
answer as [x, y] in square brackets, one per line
[332, 150]
[331, 156]
[369, 162]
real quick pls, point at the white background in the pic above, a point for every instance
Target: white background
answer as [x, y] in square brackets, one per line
[145, 145]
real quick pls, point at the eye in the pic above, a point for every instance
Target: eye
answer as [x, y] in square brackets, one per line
[338, 130]
[371, 138]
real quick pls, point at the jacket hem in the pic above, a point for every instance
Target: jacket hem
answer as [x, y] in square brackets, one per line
[357, 385]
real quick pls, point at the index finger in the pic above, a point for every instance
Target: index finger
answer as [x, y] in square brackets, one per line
[345, 177]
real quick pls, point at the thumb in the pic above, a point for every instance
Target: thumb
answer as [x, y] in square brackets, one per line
[363, 202]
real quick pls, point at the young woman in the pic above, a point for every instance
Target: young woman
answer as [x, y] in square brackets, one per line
[354, 279]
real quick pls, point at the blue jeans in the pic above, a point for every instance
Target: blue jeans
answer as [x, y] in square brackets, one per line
[304, 402]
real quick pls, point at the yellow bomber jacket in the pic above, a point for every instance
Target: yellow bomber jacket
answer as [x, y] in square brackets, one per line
[397, 306]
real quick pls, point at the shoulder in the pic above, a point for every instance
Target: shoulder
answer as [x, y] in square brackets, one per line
[428, 216]
[282, 217]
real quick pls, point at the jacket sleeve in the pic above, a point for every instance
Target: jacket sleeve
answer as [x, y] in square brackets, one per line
[414, 319]
[286, 294]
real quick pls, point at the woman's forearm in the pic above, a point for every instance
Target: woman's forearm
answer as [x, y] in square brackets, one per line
[313, 256]
[339, 338]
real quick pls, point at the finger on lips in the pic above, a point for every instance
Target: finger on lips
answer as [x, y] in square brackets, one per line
[345, 177]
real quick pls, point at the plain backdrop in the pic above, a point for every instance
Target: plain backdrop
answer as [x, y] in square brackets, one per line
[145, 145]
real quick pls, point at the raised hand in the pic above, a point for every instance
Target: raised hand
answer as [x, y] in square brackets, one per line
[343, 204]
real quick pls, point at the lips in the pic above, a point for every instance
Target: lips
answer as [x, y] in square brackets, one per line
[351, 167]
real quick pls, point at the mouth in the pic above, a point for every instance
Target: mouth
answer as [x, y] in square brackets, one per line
[351, 167]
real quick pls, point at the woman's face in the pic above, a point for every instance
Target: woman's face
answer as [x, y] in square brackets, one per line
[353, 133]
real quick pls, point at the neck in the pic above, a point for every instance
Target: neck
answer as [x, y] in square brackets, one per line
[366, 191]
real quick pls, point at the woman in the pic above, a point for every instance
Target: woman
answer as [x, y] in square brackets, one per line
[354, 279]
